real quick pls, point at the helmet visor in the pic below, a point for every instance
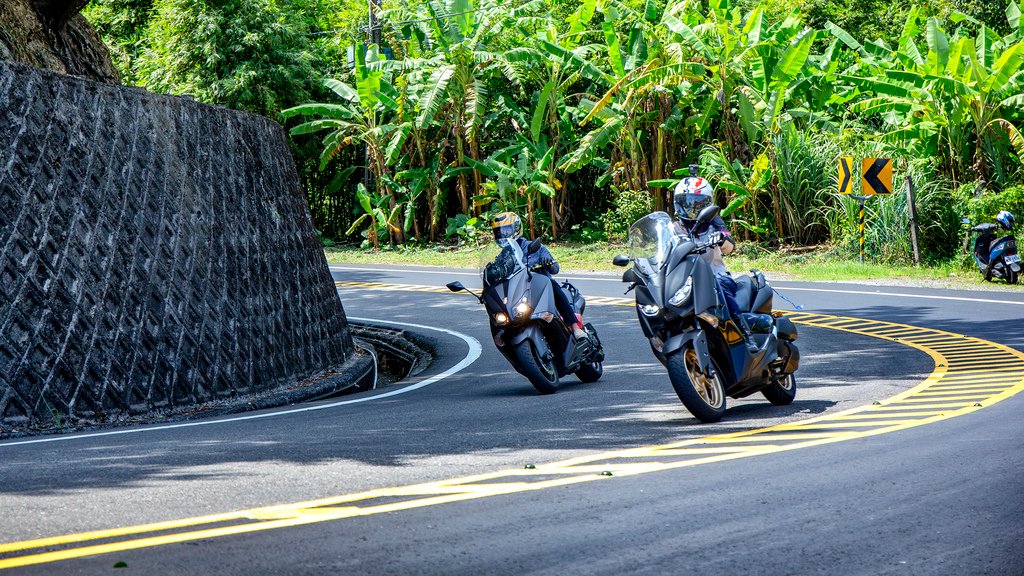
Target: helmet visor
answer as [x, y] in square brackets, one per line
[502, 232]
[688, 206]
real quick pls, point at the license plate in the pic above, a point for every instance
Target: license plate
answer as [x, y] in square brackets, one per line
[1012, 258]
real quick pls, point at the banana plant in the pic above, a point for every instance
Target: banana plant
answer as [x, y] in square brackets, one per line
[953, 100]
[374, 216]
[455, 93]
[359, 118]
[522, 173]
[640, 112]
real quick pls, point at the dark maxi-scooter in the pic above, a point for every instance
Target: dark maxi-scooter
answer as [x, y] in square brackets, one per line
[996, 257]
[526, 325]
[683, 314]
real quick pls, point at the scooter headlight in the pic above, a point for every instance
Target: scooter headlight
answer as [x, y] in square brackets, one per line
[501, 318]
[649, 309]
[523, 308]
[683, 294]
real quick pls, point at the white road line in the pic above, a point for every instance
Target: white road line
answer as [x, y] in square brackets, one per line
[474, 352]
[780, 285]
[898, 295]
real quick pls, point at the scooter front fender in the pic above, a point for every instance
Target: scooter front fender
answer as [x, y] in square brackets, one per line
[531, 332]
[700, 345]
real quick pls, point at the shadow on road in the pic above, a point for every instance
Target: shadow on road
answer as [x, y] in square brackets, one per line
[486, 410]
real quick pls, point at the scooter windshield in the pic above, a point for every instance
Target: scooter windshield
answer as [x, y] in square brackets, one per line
[651, 239]
[501, 261]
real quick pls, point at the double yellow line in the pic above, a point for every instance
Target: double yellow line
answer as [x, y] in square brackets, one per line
[969, 374]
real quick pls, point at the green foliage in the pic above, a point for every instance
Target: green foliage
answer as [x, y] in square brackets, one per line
[630, 206]
[247, 54]
[467, 229]
[805, 167]
[122, 24]
[580, 115]
[983, 207]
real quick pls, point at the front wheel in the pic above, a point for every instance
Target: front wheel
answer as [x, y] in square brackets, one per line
[781, 392]
[702, 395]
[538, 368]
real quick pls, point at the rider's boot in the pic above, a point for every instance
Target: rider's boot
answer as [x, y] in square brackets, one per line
[579, 334]
[748, 339]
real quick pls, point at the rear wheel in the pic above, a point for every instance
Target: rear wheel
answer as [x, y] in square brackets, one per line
[1011, 276]
[538, 368]
[781, 392]
[702, 395]
[590, 372]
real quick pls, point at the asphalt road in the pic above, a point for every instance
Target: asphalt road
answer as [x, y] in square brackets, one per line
[941, 498]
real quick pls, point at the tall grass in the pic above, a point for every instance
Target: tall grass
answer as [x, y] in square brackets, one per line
[805, 168]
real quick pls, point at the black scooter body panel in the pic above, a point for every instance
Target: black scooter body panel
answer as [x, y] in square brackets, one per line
[721, 348]
[554, 334]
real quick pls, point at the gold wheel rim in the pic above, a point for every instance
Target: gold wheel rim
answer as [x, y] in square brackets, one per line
[708, 388]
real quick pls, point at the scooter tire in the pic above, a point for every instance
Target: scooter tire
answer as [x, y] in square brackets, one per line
[543, 375]
[707, 408]
[781, 394]
[1011, 276]
[590, 372]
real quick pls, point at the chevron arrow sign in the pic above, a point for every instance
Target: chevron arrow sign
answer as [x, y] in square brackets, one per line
[877, 176]
[846, 175]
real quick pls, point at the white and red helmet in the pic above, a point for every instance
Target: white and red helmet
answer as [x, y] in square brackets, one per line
[692, 195]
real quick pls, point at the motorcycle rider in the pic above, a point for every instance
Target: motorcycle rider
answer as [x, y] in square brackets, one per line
[692, 195]
[508, 226]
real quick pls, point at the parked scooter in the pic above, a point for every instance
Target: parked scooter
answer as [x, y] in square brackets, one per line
[683, 314]
[526, 325]
[997, 257]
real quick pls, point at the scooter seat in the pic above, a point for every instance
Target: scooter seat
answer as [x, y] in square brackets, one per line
[745, 292]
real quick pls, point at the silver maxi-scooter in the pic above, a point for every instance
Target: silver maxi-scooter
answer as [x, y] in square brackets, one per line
[526, 325]
[682, 313]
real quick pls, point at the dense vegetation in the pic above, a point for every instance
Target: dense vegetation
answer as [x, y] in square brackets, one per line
[581, 115]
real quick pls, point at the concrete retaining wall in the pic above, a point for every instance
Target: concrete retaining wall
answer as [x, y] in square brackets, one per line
[156, 253]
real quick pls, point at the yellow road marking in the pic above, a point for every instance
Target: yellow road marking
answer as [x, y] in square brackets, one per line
[968, 372]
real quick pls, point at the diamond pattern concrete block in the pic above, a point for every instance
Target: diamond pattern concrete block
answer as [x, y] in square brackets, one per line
[142, 243]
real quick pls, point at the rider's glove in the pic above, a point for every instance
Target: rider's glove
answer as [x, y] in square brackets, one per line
[546, 263]
[716, 239]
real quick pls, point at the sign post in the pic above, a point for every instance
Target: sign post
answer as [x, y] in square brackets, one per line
[911, 202]
[860, 225]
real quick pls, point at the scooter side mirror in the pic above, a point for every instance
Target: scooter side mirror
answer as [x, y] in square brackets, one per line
[455, 286]
[708, 214]
[534, 246]
[620, 260]
[630, 277]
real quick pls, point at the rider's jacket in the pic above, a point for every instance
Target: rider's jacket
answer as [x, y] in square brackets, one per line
[714, 255]
[534, 259]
